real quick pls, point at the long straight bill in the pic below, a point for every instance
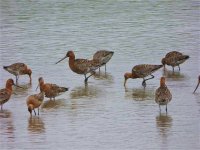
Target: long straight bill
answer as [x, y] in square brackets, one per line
[61, 59]
[196, 86]
[37, 87]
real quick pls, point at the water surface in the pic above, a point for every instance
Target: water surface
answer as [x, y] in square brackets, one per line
[103, 114]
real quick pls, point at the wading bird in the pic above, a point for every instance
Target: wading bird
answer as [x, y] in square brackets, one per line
[103, 56]
[174, 59]
[162, 94]
[34, 101]
[6, 93]
[81, 66]
[141, 71]
[18, 69]
[51, 90]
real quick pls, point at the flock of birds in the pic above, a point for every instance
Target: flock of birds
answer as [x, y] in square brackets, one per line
[84, 67]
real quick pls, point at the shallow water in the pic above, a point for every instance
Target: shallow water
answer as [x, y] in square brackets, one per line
[103, 114]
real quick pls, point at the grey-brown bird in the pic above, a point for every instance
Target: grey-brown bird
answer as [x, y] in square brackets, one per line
[34, 101]
[163, 95]
[142, 71]
[174, 59]
[197, 85]
[81, 66]
[18, 69]
[103, 56]
[51, 90]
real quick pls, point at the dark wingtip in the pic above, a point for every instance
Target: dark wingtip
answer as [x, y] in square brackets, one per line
[187, 57]
[66, 89]
[5, 67]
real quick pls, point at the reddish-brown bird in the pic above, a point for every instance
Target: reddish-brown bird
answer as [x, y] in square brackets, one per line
[51, 90]
[103, 56]
[162, 94]
[81, 66]
[6, 93]
[34, 101]
[18, 69]
[142, 71]
[174, 59]
[197, 85]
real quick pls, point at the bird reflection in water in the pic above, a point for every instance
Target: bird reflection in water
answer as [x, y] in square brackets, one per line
[164, 124]
[84, 91]
[24, 90]
[6, 126]
[49, 104]
[139, 94]
[103, 76]
[36, 125]
[175, 76]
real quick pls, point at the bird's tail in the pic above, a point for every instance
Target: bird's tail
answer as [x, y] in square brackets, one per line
[185, 57]
[157, 67]
[63, 89]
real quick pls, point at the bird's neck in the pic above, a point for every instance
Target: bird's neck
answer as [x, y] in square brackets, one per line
[9, 87]
[71, 62]
[133, 75]
[162, 84]
[42, 86]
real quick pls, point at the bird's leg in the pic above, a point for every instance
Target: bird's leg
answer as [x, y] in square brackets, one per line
[38, 111]
[144, 80]
[34, 111]
[179, 68]
[1, 107]
[166, 109]
[54, 98]
[159, 108]
[86, 79]
[99, 70]
[150, 78]
[143, 83]
[173, 68]
[105, 67]
[16, 79]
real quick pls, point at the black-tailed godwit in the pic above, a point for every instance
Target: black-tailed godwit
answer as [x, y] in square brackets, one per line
[51, 90]
[141, 71]
[103, 56]
[81, 66]
[6, 93]
[18, 69]
[34, 101]
[162, 94]
[174, 59]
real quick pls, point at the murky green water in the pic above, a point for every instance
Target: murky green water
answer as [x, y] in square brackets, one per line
[102, 115]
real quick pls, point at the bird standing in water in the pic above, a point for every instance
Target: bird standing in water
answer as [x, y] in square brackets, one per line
[51, 90]
[197, 85]
[103, 56]
[174, 59]
[6, 93]
[18, 69]
[141, 71]
[162, 94]
[34, 101]
[81, 66]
